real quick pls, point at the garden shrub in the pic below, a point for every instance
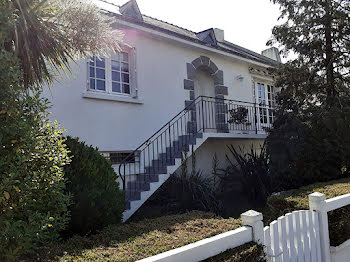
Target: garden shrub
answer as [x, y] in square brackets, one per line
[33, 204]
[91, 180]
[288, 201]
[251, 170]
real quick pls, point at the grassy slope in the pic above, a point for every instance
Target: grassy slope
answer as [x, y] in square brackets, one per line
[137, 240]
[134, 241]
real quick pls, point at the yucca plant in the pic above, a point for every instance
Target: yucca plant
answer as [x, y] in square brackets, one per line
[251, 170]
[46, 35]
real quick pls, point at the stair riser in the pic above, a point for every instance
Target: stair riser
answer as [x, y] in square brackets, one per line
[132, 195]
[148, 178]
[138, 186]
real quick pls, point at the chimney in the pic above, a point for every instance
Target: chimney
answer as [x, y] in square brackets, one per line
[272, 53]
[219, 34]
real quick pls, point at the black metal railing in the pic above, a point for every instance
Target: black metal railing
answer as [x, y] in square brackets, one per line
[204, 114]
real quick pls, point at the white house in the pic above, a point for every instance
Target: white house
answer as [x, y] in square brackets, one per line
[170, 88]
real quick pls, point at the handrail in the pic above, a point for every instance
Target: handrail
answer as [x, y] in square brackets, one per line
[132, 153]
[205, 108]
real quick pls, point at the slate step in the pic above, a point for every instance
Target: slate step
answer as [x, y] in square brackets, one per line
[148, 178]
[132, 195]
[127, 205]
[156, 170]
[163, 161]
[138, 186]
[186, 139]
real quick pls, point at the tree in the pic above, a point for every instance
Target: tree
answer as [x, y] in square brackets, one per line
[46, 35]
[310, 137]
[38, 37]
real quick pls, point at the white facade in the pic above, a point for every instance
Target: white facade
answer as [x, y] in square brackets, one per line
[161, 70]
[162, 61]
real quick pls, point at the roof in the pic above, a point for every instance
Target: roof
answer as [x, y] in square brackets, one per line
[206, 37]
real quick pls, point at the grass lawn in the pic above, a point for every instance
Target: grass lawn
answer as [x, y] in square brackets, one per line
[134, 241]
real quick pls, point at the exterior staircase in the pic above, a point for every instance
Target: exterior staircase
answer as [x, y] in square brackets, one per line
[151, 164]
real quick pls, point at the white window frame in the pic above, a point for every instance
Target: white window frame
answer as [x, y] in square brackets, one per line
[267, 104]
[108, 94]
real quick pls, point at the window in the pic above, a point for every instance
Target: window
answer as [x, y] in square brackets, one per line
[266, 102]
[112, 75]
[118, 157]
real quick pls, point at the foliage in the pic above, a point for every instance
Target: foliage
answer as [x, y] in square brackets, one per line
[285, 202]
[251, 169]
[310, 138]
[134, 241]
[33, 205]
[239, 116]
[91, 180]
[246, 253]
[47, 34]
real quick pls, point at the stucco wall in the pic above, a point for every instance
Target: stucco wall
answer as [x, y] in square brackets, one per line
[161, 70]
[218, 146]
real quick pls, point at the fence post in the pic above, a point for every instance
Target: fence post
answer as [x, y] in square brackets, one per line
[254, 220]
[317, 203]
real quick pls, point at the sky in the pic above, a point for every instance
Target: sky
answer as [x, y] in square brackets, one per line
[247, 23]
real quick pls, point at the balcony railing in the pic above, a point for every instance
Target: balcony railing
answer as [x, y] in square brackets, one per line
[203, 115]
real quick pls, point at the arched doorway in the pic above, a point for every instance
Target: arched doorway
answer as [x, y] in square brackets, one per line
[205, 79]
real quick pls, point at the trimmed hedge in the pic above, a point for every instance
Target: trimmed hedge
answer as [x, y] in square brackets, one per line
[91, 180]
[288, 201]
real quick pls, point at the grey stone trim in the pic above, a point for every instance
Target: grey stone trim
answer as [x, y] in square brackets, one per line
[220, 118]
[221, 108]
[188, 84]
[221, 90]
[191, 70]
[189, 105]
[219, 77]
[191, 127]
[213, 67]
[197, 62]
[191, 95]
[193, 115]
[220, 97]
[222, 127]
[205, 61]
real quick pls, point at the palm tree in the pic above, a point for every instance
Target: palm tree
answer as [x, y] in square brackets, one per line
[46, 35]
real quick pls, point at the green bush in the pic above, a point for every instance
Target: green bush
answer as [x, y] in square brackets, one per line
[33, 205]
[288, 201]
[91, 180]
[251, 170]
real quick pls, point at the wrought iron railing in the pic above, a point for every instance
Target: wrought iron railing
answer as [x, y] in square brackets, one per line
[204, 114]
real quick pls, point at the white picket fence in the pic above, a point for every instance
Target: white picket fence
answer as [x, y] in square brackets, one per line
[300, 236]
[293, 237]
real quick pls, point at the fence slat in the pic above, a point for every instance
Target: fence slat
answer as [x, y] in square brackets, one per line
[283, 237]
[297, 234]
[291, 240]
[311, 232]
[317, 235]
[305, 237]
[267, 243]
[275, 243]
